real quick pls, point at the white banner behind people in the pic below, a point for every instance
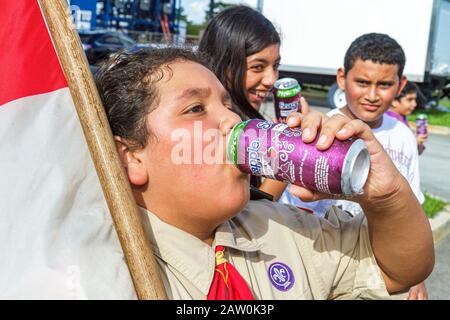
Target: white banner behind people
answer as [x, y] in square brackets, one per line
[57, 239]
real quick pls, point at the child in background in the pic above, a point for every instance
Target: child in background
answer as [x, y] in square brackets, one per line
[403, 105]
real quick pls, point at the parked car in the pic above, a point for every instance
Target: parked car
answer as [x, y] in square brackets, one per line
[100, 45]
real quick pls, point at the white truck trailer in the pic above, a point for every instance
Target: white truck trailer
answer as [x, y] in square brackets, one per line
[316, 34]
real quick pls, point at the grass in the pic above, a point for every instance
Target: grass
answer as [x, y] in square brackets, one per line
[435, 117]
[432, 205]
[314, 91]
[445, 102]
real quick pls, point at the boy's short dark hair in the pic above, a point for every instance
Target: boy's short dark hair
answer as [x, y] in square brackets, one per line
[127, 86]
[410, 87]
[377, 47]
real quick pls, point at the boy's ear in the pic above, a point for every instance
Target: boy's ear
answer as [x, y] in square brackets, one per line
[403, 82]
[340, 78]
[394, 104]
[132, 162]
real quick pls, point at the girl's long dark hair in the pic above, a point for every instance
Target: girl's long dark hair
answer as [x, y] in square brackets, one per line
[230, 37]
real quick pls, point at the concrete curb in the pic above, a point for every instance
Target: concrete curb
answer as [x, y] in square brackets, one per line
[440, 224]
[433, 129]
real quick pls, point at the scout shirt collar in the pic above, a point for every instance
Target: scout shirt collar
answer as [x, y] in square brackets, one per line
[190, 256]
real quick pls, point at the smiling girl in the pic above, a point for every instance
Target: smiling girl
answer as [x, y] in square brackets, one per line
[244, 48]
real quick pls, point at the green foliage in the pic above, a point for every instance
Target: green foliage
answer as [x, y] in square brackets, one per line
[216, 7]
[182, 16]
[432, 205]
[435, 117]
[194, 29]
[445, 103]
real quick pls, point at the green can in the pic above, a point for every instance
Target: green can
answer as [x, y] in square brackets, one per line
[287, 92]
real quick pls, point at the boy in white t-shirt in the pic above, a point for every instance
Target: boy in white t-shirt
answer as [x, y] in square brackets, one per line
[372, 77]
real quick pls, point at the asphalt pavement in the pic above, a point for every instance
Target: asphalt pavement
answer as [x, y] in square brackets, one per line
[438, 283]
[435, 166]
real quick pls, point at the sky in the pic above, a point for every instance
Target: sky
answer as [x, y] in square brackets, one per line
[195, 9]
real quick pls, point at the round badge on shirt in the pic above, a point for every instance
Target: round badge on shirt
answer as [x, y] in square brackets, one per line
[281, 276]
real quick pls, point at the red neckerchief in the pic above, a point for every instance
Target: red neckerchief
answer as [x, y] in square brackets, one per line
[227, 284]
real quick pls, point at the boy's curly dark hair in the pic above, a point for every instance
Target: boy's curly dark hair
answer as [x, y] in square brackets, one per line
[127, 84]
[377, 47]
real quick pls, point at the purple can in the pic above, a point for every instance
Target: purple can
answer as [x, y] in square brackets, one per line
[273, 150]
[287, 93]
[422, 124]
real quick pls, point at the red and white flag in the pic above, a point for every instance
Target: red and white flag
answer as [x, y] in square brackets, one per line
[57, 239]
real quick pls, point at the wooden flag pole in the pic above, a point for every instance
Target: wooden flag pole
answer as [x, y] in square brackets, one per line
[116, 188]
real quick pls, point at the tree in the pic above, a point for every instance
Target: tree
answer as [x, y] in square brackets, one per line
[215, 8]
[195, 28]
[182, 16]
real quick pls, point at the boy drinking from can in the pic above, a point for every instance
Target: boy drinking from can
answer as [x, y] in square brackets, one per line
[209, 239]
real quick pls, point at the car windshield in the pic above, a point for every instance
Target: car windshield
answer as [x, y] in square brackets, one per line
[128, 42]
[85, 38]
[111, 40]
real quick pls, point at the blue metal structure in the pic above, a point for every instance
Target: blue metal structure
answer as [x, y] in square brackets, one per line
[137, 15]
[84, 14]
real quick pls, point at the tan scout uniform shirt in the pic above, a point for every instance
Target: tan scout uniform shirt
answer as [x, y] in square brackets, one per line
[282, 252]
